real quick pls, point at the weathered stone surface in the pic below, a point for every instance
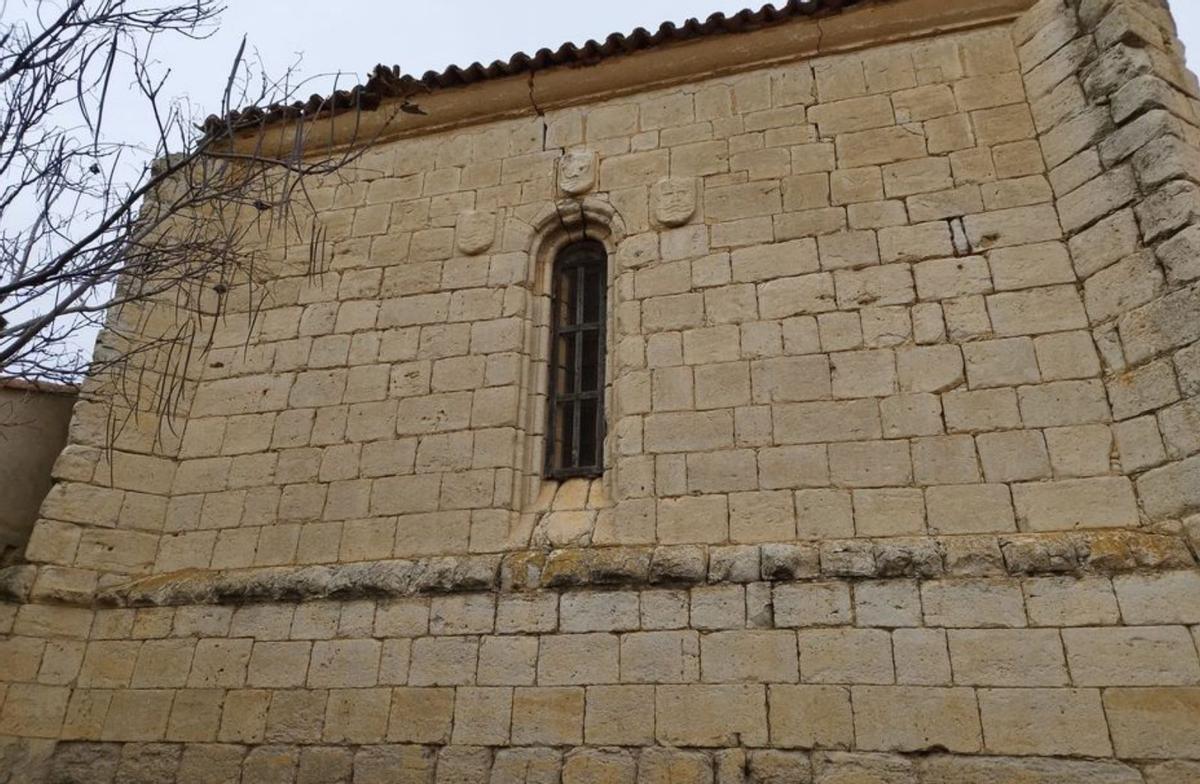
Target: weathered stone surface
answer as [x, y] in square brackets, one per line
[972, 604]
[577, 172]
[664, 766]
[907, 718]
[777, 767]
[476, 232]
[80, 762]
[1066, 601]
[1171, 491]
[1008, 657]
[600, 766]
[1172, 771]
[789, 562]
[674, 200]
[1167, 598]
[1067, 722]
[844, 768]
[944, 769]
[1143, 656]
[16, 582]
[715, 715]
[1155, 723]
[818, 604]
[810, 716]
[749, 657]
[150, 763]
[893, 557]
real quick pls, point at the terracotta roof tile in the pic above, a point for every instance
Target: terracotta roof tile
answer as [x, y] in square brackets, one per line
[387, 82]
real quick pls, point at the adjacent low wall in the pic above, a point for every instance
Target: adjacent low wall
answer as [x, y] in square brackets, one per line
[33, 430]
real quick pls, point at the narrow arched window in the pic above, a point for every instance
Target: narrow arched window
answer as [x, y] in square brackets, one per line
[575, 431]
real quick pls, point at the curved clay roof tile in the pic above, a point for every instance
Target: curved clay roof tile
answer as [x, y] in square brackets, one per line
[391, 83]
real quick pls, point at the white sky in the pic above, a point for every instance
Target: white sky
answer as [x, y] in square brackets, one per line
[351, 36]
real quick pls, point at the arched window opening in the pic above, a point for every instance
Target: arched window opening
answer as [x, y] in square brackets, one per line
[578, 315]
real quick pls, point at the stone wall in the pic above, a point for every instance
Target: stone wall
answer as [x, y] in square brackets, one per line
[741, 679]
[842, 306]
[33, 430]
[901, 478]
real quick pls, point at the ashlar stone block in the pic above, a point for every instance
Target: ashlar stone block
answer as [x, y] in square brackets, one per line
[807, 717]
[749, 657]
[619, 715]
[912, 718]
[711, 715]
[1142, 656]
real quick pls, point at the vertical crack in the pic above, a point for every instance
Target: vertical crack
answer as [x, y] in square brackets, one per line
[541, 113]
[538, 111]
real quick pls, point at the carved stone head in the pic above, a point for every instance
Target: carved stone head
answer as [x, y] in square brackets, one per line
[577, 172]
[674, 200]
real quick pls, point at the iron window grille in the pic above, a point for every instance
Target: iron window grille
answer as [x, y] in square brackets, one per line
[578, 316]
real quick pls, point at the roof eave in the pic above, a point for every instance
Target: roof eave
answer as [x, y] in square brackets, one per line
[666, 63]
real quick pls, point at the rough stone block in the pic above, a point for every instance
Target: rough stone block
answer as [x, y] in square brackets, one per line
[1067, 722]
[1013, 456]
[660, 657]
[1068, 601]
[599, 765]
[914, 718]
[749, 657]
[443, 661]
[591, 611]
[810, 717]
[547, 716]
[846, 656]
[1144, 656]
[879, 146]
[949, 769]
[970, 508]
[973, 603]
[814, 604]
[421, 715]
[1154, 723]
[921, 657]
[1165, 598]
[578, 659]
[346, 663]
[1102, 502]
[711, 715]
[507, 661]
[1007, 657]
[889, 512]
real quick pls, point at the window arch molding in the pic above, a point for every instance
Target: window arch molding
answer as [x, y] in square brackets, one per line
[554, 228]
[558, 225]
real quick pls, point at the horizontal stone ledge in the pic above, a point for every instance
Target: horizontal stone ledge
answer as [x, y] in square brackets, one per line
[90, 762]
[1084, 552]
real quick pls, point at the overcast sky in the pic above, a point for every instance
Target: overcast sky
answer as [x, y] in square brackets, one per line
[351, 36]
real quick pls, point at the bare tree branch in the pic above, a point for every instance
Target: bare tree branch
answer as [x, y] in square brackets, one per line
[105, 234]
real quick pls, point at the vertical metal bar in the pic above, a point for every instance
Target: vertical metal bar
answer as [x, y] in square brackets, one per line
[601, 356]
[552, 375]
[576, 427]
